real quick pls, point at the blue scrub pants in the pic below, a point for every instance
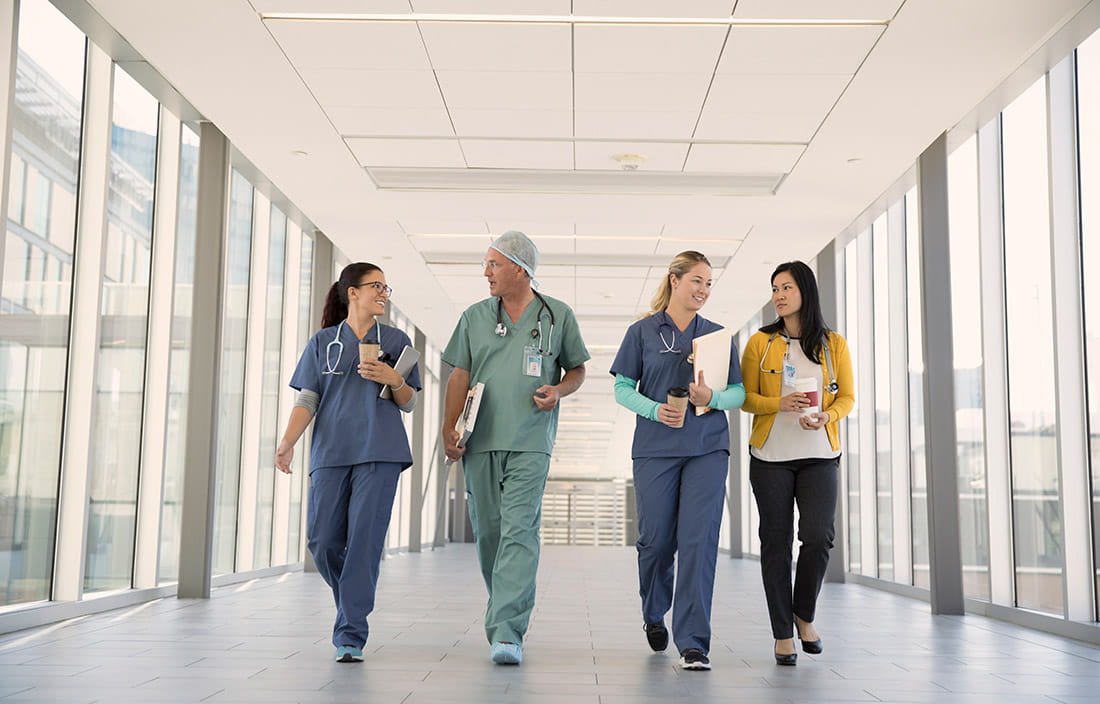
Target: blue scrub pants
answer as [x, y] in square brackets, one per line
[505, 501]
[348, 515]
[680, 511]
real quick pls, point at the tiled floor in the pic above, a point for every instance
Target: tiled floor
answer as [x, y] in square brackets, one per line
[266, 642]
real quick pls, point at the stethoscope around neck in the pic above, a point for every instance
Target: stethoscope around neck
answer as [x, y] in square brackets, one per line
[832, 387]
[536, 333]
[331, 368]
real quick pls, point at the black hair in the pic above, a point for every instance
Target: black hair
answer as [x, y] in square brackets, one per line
[812, 327]
[336, 303]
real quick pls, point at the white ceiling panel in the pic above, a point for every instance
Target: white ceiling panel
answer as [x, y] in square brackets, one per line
[625, 229]
[743, 158]
[407, 152]
[349, 87]
[641, 91]
[493, 7]
[555, 272]
[613, 272]
[634, 124]
[815, 9]
[455, 269]
[465, 286]
[660, 156]
[606, 297]
[507, 90]
[394, 122]
[496, 47]
[517, 154]
[381, 46]
[736, 228]
[797, 50]
[713, 249]
[512, 123]
[646, 48]
[759, 126]
[615, 245]
[381, 6]
[429, 246]
[813, 95]
[418, 226]
[534, 230]
[653, 8]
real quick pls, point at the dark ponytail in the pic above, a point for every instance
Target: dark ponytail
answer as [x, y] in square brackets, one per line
[336, 303]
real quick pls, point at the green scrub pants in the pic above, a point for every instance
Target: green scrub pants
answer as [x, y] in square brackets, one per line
[505, 500]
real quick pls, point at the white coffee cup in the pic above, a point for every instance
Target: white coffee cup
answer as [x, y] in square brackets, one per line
[808, 386]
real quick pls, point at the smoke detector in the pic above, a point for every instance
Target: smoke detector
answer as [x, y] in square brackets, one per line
[629, 162]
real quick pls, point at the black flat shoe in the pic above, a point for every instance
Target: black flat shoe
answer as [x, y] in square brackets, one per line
[657, 635]
[785, 658]
[812, 647]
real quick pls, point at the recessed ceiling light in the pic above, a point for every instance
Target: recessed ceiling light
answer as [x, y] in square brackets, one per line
[569, 19]
[299, 152]
[855, 160]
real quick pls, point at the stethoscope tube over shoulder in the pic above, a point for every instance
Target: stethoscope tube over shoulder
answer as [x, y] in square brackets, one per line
[536, 333]
[832, 387]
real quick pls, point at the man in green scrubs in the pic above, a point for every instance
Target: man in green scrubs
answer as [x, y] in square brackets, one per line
[518, 343]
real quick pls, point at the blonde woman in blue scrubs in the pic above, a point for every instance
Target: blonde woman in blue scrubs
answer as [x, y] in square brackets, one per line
[359, 445]
[679, 472]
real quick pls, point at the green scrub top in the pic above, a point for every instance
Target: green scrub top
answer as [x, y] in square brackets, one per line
[508, 419]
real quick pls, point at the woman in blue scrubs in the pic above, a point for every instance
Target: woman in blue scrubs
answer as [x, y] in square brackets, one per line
[679, 472]
[359, 444]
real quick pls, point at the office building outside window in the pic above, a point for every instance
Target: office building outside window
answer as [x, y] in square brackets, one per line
[35, 294]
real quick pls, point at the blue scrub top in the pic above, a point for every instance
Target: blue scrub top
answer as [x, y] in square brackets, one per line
[352, 424]
[640, 358]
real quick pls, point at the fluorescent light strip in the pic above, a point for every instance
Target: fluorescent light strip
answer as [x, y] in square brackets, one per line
[566, 20]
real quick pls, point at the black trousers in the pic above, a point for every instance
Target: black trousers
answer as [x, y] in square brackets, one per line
[812, 484]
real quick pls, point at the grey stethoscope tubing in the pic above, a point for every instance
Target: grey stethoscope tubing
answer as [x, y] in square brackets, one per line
[832, 387]
[502, 331]
[331, 368]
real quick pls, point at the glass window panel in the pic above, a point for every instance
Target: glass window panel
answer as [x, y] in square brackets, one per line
[34, 304]
[231, 388]
[966, 332]
[1088, 105]
[1036, 514]
[120, 374]
[917, 469]
[271, 389]
[851, 446]
[884, 505]
[297, 479]
[180, 358]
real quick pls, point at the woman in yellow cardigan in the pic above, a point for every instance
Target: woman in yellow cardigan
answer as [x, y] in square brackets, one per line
[798, 385]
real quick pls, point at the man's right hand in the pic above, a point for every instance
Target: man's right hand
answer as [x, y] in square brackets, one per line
[450, 442]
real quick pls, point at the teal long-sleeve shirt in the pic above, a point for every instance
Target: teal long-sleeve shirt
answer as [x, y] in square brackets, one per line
[628, 396]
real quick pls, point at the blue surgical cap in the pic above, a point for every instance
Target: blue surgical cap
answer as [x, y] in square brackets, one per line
[519, 248]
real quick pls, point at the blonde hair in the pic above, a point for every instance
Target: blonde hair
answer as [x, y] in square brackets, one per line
[681, 264]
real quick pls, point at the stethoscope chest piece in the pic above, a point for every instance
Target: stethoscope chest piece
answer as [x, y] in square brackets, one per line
[501, 330]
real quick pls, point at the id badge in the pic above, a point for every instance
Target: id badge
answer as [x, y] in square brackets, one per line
[788, 375]
[532, 361]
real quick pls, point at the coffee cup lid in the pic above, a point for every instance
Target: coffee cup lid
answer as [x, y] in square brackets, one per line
[677, 391]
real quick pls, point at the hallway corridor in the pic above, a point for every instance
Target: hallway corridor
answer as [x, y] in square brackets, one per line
[266, 642]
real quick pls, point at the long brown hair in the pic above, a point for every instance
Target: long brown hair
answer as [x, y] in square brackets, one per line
[681, 264]
[336, 303]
